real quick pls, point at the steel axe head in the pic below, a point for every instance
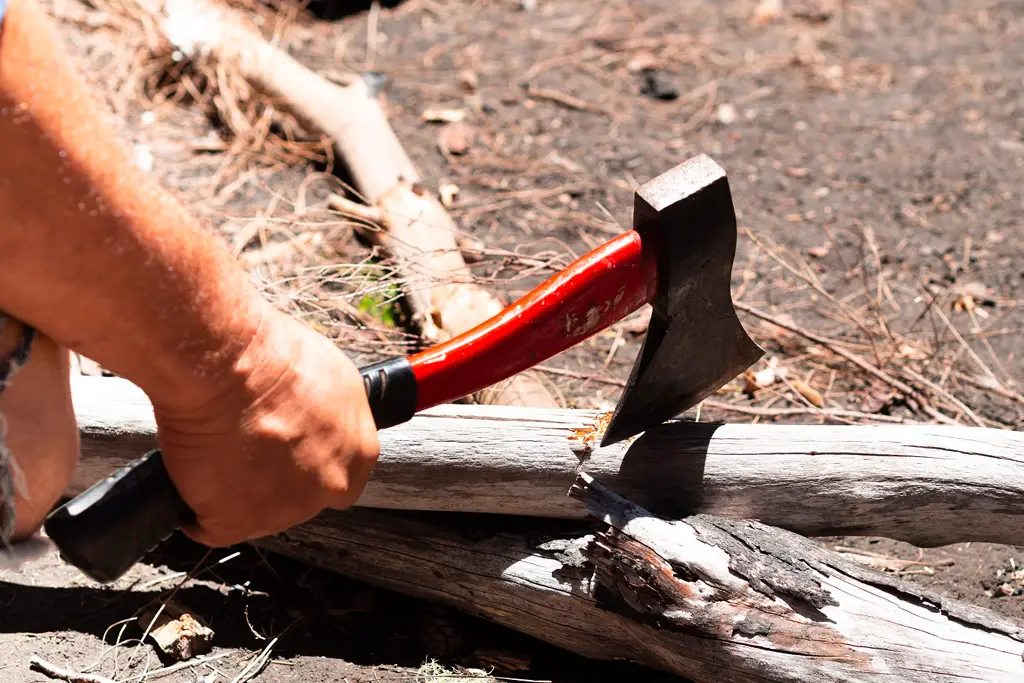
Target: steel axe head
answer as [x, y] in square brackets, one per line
[695, 343]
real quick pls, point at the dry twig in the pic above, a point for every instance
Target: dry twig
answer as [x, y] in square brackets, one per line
[44, 667]
[835, 347]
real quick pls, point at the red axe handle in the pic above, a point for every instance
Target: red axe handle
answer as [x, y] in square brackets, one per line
[592, 293]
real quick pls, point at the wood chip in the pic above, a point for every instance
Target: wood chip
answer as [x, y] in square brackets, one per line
[971, 295]
[755, 380]
[447, 194]
[178, 633]
[643, 61]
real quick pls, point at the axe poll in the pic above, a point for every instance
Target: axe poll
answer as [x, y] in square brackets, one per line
[678, 257]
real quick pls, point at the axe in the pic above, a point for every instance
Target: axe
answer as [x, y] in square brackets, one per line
[678, 257]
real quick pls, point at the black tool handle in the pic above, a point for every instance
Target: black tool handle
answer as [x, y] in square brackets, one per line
[110, 527]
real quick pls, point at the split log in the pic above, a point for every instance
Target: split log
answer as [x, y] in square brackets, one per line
[414, 227]
[705, 598]
[926, 485]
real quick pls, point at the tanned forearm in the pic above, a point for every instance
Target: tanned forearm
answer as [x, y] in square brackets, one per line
[92, 250]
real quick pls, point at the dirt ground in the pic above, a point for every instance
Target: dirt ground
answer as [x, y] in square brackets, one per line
[880, 142]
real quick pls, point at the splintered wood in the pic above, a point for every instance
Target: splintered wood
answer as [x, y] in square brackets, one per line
[695, 597]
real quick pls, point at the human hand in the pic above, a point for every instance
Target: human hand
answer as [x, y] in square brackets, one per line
[288, 434]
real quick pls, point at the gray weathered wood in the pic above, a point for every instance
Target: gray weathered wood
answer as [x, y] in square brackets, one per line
[927, 485]
[704, 598]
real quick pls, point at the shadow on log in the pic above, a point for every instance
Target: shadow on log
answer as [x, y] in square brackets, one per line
[926, 485]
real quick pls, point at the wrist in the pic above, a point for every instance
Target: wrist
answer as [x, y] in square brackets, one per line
[211, 359]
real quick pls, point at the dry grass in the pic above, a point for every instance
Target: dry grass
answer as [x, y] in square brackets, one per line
[854, 367]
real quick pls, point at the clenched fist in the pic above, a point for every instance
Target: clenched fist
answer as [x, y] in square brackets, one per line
[288, 434]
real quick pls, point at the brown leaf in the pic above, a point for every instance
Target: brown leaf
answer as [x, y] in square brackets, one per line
[878, 398]
[808, 392]
[468, 80]
[456, 138]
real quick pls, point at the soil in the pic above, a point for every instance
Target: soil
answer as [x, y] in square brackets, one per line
[882, 141]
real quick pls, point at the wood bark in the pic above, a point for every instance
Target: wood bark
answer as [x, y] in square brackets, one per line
[927, 485]
[412, 226]
[705, 598]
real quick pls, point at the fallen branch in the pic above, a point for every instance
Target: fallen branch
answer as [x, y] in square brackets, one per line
[565, 100]
[704, 598]
[39, 664]
[408, 222]
[924, 484]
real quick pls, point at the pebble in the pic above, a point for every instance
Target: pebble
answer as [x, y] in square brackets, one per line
[657, 86]
[727, 114]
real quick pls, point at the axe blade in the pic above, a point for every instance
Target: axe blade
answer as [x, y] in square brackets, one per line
[695, 342]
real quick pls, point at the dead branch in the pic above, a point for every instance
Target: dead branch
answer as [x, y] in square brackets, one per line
[836, 348]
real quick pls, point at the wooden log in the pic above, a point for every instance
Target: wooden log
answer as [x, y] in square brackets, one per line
[927, 485]
[705, 598]
[411, 224]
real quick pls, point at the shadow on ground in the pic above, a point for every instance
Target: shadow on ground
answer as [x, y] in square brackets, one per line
[333, 10]
[256, 596]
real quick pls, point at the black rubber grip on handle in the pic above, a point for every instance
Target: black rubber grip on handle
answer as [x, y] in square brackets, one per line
[391, 390]
[110, 527]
